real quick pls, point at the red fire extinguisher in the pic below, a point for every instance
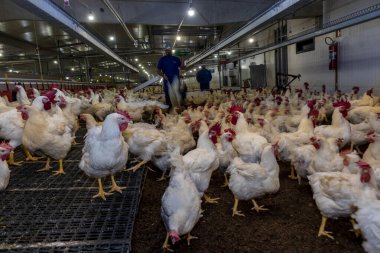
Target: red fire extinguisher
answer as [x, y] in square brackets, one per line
[333, 56]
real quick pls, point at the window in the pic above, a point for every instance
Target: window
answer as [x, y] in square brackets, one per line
[305, 46]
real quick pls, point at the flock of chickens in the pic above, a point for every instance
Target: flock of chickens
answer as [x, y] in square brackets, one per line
[243, 134]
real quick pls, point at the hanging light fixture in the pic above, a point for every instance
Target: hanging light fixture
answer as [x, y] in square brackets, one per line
[190, 11]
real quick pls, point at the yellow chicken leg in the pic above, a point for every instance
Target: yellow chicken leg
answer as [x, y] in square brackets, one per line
[225, 181]
[210, 200]
[29, 156]
[234, 209]
[166, 245]
[60, 170]
[257, 207]
[115, 187]
[47, 166]
[292, 172]
[11, 160]
[355, 228]
[101, 194]
[322, 230]
[137, 166]
[162, 178]
[189, 238]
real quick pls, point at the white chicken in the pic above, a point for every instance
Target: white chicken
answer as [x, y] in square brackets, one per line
[202, 161]
[5, 149]
[252, 180]
[226, 152]
[367, 217]
[335, 193]
[340, 127]
[248, 145]
[54, 138]
[105, 152]
[180, 206]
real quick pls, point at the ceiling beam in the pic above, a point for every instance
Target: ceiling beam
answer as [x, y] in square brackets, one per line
[21, 44]
[48, 9]
[273, 12]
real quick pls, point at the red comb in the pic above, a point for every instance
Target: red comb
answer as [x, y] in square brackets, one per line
[312, 139]
[6, 146]
[362, 164]
[217, 128]
[53, 86]
[125, 114]
[51, 95]
[345, 104]
[370, 132]
[306, 85]
[314, 113]
[345, 151]
[311, 103]
[356, 88]
[230, 130]
[235, 108]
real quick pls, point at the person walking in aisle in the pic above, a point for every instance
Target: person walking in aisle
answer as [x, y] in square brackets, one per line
[168, 67]
[204, 78]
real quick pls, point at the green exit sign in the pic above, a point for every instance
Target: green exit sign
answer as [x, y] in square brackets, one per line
[182, 52]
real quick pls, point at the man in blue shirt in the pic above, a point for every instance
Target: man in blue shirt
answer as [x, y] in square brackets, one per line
[204, 77]
[168, 67]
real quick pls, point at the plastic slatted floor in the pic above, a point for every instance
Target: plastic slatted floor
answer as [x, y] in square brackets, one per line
[40, 212]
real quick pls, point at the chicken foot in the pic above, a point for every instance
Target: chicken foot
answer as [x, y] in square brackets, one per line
[60, 170]
[11, 160]
[137, 166]
[322, 230]
[162, 178]
[292, 172]
[234, 209]
[210, 200]
[46, 167]
[189, 238]
[101, 194]
[166, 245]
[115, 187]
[29, 156]
[355, 228]
[257, 207]
[225, 181]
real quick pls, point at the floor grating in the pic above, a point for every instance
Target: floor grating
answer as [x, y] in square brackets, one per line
[40, 212]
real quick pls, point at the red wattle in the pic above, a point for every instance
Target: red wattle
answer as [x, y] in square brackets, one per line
[24, 116]
[47, 106]
[123, 126]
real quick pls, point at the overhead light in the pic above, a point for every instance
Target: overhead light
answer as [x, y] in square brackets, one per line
[100, 74]
[229, 52]
[112, 38]
[178, 38]
[91, 16]
[191, 71]
[191, 12]
[173, 51]
[251, 40]
[1, 54]
[10, 70]
[215, 56]
[67, 78]
[72, 69]
[136, 59]
[184, 74]
[55, 62]
[195, 70]
[200, 67]
[139, 65]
